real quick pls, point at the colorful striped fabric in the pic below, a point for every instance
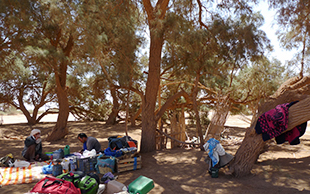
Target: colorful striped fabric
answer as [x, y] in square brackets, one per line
[22, 175]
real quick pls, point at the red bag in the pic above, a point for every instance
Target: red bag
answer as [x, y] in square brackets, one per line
[54, 185]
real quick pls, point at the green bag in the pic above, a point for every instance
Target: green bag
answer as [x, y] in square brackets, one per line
[88, 185]
[74, 177]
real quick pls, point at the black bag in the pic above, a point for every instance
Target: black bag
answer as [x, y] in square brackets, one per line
[7, 161]
[118, 142]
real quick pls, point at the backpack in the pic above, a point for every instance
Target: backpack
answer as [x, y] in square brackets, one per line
[54, 185]
[88, 185]
[73, 177]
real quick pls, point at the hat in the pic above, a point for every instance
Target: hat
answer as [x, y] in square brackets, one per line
[35, 131]
[225, 159]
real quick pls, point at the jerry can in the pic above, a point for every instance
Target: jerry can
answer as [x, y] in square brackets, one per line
[141, 185]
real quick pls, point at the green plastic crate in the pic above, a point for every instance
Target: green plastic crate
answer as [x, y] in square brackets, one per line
[141, 185]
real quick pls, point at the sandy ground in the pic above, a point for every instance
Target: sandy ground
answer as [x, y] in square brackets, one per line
[283, 169]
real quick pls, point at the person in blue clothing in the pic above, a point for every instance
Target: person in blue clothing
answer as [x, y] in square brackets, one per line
[89, 143]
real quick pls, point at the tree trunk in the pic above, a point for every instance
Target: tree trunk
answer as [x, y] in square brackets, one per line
[253, 144]
[60, 130]
[195, 107]
[133, 118]
[112, 117]
[218, 120]
[155, 17]
[31, 120]
[148, 138]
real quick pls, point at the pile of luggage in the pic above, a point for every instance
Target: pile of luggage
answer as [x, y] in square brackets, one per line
[70, 183]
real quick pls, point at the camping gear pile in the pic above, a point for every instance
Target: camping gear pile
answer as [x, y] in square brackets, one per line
[91, 173]
[217, 157]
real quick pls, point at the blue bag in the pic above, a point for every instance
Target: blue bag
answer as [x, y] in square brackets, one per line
[105, 164]
[115, 153]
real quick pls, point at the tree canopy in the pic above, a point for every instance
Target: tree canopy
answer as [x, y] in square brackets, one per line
[89, 58]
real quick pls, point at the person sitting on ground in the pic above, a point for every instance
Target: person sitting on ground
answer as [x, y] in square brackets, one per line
[89, 143]
[33, 147]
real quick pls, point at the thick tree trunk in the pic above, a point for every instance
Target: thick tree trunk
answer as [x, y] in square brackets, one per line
[253, 144]
[155, 17]
[148, 138]
[218, 119]
[61, 130]
[112, 117]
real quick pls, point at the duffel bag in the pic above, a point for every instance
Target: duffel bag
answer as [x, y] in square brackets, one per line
[88, 185]
[53, 185]
[73, 177]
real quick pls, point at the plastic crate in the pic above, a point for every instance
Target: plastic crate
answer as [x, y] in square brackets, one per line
[86, 165]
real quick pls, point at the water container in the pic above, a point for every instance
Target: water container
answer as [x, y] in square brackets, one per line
[115, 187]
[58, 154]
[67, 150]
[72, 166]
[214, 172]
[57, 170]
[141, 185]
[65, 165]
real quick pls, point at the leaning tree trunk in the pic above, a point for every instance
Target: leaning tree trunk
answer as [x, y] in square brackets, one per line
[134, 117]
[218, 120]
[112, 117]
[31, 120]
[253, 144]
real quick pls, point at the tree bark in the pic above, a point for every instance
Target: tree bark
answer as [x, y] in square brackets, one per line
[148, 137]
[60, 130]
[197, 116]
[218, 119]
[134, 117]
[155, 15]
[253, 145]
[112, 117]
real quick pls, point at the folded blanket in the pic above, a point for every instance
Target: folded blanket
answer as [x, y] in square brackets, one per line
[21, 175]
[273, 122]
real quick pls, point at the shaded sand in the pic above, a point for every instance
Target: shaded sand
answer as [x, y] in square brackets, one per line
[282, 169]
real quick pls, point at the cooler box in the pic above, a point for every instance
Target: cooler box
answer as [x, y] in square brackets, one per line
[141, 185]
